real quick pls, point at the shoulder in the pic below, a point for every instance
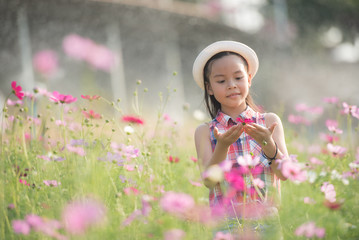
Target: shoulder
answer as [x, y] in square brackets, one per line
[271, 118]
[202, 130]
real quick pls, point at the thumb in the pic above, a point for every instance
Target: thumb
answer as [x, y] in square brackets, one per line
[215, 132]
[272, 127]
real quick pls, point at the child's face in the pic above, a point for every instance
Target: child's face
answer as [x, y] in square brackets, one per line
[229, 82]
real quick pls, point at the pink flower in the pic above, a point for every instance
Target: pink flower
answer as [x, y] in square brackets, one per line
[328, 138]
[316, 161]
[172, 159]
[177, 203]
[21, 227]
[194, 159]
[76, 46]
[301, 107]
[235, 179]
[332, 205]
[309, 200]
[78, 150]
[51, 183]
[331, 123]
[258, 182]
[293, 171]
[13, 103]
[22, 181]
[78, 216]
[131, 190]
[315, 110]
[132, 119]
[336, 150]
[34, 221]
[45, 62]
[17, 90]
[61, 98]
[247, 161]
[88, 97]
[310, 230]
[100, 57]
[223, 236]
[335, 130]
[174, 234]
[85, 49]
[91, 114]
[245, 121]
[329, 192]
[197, 184]
[298, 120]
[350, 109]
[332, 100]
[131, 218]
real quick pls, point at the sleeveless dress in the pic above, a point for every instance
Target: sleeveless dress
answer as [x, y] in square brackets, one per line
[245, 145]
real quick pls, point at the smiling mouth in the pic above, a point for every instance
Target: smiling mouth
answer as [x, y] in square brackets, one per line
[233, 94]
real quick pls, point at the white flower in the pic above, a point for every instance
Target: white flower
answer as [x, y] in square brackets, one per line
[128, 129]
[311, 176]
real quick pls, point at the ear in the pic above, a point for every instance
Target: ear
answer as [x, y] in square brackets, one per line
[249, 80]
[209, 88]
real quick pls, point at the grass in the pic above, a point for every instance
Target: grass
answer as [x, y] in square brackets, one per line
[150, 173]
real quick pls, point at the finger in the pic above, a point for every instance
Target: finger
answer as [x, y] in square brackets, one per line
[215, 132]
[234, 131]
[272, 127]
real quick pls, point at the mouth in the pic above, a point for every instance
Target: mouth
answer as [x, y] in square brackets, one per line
[233, 94]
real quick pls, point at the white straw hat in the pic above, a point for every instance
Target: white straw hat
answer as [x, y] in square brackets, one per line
[222, 46]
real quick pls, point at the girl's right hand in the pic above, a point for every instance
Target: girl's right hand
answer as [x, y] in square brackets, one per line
[230, 136]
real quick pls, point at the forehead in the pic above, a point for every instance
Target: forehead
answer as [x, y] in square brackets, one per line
[228, 63]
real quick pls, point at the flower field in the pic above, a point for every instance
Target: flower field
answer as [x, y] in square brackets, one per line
[81, 168]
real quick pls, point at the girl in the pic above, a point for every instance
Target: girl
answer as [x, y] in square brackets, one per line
[224, 70]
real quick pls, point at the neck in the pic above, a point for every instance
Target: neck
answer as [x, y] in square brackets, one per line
[234, 112]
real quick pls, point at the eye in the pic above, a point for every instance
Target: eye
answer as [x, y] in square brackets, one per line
[239, 78]
[220, 81]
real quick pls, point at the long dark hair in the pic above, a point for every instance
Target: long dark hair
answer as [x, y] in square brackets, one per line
[213, 106]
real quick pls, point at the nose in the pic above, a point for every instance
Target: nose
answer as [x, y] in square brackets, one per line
[231, 84]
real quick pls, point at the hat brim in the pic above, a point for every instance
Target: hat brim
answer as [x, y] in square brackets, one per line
[222, 46]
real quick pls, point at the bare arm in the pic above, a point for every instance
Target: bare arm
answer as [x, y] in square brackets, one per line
[272, 134]
[205, 155]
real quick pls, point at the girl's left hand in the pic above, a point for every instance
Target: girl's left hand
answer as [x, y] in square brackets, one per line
[260, 134]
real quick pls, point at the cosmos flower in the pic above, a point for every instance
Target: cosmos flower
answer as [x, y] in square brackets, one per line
[90, 98]
[329, 191]
[172, 159]
[78, 150]
[248, 161]
[223, 236]
[51, 183]
[336, 150]
[79, 215]
[177, 203]
[132, 119]
[61, 98]
[174, 234]
[17, 90]
[13, 103]
[245, 121]
[91, 114]
[21, 227]
[331, 100]
[350, 109]
[45, 62]
[235, 179]
[310, 230]
[293, 171]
